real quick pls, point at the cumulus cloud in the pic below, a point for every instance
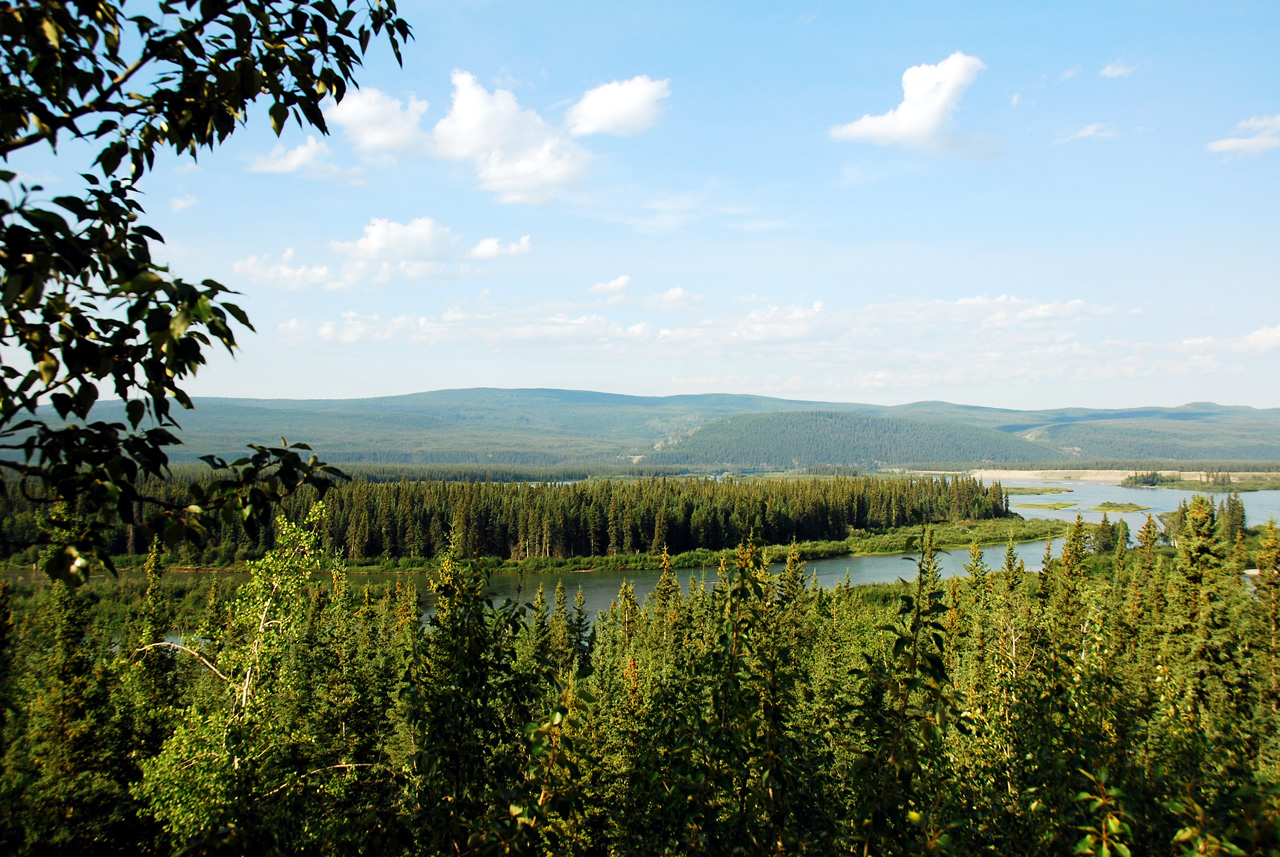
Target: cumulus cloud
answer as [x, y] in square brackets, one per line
[178, 203]
[1264, 340]
[492, 248]
[294, 330]
[624, 107]
[516, 154]
[386, 250]
[1117, 69]
[1096, 130]
[415, 249]
[674, 299]
[380, 127]
[309, 159]
[1264, 134]
[281, 274]
[614, 290]
[930, 96]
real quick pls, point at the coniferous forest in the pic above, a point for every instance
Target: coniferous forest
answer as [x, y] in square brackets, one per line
[1124, 701]
[413, 519]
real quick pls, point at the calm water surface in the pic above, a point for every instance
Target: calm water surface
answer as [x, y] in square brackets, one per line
[599, 588]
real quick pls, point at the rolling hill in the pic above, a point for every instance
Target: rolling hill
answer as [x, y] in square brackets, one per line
[785, 441]
[548, 428]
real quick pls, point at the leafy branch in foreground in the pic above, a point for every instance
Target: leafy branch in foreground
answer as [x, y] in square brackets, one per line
[85, 307]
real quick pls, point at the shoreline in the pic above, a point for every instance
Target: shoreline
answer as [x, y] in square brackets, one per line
[1102, 476]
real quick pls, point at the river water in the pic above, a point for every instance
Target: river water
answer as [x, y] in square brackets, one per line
[599, 588]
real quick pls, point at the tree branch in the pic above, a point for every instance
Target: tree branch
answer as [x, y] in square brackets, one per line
[201, 658]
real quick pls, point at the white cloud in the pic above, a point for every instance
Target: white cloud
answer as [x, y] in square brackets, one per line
[380, 127]
[1096, 130]
[516, 154]
[294, 330]
[178, 203]
[386, 251]
[528, 326]
[1264, 340]
[492, 248]
[385, 238]
[1265, 136]
[1015, 100]
[355, 328]
[930, 96]
[415, 249]
[1070, 73]
[674, 299]
[615, 290]
[999, 312]
[766, 325]
[624, 107]
[309, 155]
[1117, 69]
[281, 274]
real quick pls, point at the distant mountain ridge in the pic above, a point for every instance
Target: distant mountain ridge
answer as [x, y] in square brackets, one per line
[547, 427]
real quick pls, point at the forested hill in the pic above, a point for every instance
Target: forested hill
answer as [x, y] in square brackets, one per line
[807, 438]
[555, 428]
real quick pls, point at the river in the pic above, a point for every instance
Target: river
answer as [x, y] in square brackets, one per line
[599, 588]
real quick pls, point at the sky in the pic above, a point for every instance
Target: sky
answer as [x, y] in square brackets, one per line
[1002, 204]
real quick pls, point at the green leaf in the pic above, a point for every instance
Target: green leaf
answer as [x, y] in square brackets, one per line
[279, 115]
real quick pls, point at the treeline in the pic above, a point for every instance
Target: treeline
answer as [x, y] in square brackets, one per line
[1118, 703]
[1148, 464]
[415, 519]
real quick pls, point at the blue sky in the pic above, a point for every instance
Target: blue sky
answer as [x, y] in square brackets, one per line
[1070, 205]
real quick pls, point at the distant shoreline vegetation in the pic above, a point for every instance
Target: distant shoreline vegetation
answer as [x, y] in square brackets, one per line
[1215, 480]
